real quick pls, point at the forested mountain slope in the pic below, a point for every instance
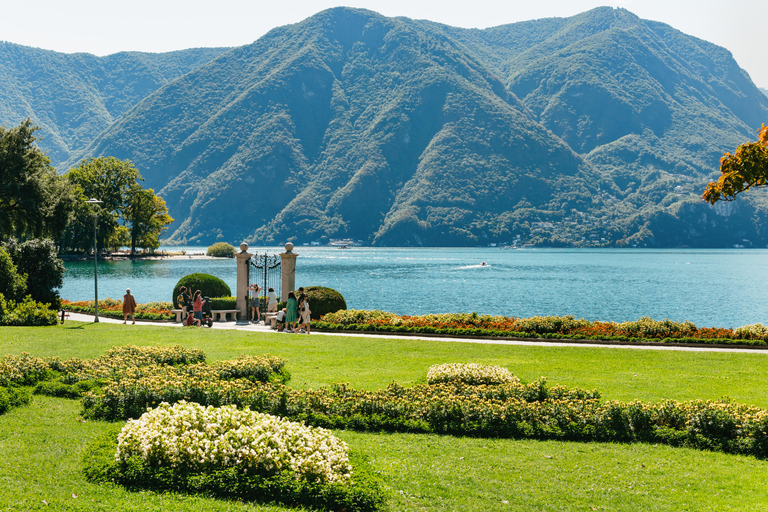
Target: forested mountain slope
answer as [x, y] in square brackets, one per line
[75, 97]
[599, 129]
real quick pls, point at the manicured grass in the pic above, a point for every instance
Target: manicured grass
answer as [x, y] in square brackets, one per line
[41, 444]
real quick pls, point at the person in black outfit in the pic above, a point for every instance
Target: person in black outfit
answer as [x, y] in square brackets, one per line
[185, 301]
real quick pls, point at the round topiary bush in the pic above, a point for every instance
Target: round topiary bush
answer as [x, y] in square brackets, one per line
[210, 286]
[221, 250]
[324, 300]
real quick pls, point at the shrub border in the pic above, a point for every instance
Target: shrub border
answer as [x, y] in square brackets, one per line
[485, 334]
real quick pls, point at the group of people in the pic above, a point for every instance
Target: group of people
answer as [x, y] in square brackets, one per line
[192, 306]
[295, 316]
[256, 302]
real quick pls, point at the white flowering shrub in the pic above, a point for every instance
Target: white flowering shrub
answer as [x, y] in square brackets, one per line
[469, 374]
[751, 332]
[192, 437]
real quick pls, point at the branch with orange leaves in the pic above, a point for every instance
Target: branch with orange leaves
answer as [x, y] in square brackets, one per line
[746, 168]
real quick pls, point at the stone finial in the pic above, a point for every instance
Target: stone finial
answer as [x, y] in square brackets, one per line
[244, 247]
[288, 247]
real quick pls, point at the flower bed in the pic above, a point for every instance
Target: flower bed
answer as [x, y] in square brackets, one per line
[458, 405]
[551, 327]
[74, 377]
[512, 410]
[192, 438]
[232, 453]
[469, 374]
[28, 370]
[114, 309]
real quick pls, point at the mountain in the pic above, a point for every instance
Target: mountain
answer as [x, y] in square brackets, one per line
[764, 91]
[598, 129]
[75, 97]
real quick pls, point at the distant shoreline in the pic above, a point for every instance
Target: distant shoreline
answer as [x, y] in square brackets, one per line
[147, 257]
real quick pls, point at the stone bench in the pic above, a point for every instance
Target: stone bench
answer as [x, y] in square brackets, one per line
[179, 314]
[271, 318]
[224, 314]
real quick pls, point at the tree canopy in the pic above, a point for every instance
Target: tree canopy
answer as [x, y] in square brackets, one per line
[148, 217]
[128, 212]
[746, 168]
[34, 200]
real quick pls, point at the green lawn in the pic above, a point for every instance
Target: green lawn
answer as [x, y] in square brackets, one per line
[41, 444]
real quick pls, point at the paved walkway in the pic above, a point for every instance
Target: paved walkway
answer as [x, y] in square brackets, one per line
[243, 326]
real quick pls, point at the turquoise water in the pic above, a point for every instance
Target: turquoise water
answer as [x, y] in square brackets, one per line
[723, 288]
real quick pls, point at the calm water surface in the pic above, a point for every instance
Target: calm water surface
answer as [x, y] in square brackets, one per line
[724, 288]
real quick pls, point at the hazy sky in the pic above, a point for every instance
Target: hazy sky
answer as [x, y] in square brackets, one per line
[102, 27]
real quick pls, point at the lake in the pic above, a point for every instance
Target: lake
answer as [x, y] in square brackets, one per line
[723, 288]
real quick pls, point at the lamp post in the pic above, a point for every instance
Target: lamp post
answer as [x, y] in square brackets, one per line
[95, 261]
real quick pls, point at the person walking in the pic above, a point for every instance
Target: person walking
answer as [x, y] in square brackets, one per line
[304, 313]
[291, 313]
[129, 306]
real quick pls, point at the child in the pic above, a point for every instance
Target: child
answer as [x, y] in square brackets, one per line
[280, 320]
[191, 320]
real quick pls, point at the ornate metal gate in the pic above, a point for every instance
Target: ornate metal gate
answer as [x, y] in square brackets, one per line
[268, 274]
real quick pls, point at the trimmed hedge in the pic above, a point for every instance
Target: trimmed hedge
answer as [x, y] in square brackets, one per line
[223, 302]
[323, 300]
[209, 286]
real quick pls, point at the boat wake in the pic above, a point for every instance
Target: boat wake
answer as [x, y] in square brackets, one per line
[481, 265]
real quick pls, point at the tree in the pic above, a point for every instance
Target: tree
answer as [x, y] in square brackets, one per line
[34, 200]
[121, 237]
[38, 260]
[148, 216]
[109, 180]
[746, 168]
[12, 283]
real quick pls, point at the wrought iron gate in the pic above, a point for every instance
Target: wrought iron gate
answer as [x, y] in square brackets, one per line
[268, 274]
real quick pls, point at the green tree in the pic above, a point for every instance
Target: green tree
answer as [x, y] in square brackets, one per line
[121, 237]
[12, 283]
[148, 217]
[39, 261]
[34, 200]
[746, 168]
[109, 180]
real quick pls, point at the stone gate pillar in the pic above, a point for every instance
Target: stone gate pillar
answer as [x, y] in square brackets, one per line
[243, 272]
[288, 266]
